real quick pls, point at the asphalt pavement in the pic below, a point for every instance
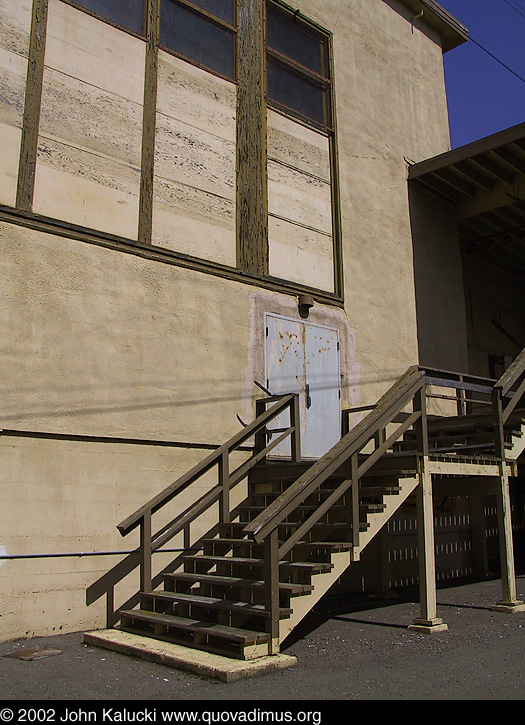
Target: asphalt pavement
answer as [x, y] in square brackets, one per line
[349, 648]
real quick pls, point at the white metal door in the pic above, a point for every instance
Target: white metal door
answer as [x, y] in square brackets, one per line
[304, 358]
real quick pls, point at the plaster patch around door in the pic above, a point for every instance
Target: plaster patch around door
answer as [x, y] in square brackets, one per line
[303, 358]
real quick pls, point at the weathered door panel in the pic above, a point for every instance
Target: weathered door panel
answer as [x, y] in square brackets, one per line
[323, 406]
[304, 358]
[285, 369]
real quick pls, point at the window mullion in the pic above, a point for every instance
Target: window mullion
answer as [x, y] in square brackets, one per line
[298, 68]
[212, 18]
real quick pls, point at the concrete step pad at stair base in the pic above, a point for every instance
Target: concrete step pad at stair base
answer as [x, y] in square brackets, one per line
[195, 660]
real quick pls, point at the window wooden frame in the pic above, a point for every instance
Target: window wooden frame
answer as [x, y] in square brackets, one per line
[322, 80]
[213, 20]
[250, 269]
[142, 35]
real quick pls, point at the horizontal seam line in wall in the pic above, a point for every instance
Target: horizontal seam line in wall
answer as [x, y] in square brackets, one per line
[298, 224]
[79, 437]
[92, 85]
[192, 186]
[12, 125]
[76, 147]
[198, 128]
[15, 52]
[126, 245]
[328, 182]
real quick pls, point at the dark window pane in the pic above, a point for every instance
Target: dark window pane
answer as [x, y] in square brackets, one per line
[197, 38]
[126, 13]
[222, 9]
[288, 38]
[295, 92]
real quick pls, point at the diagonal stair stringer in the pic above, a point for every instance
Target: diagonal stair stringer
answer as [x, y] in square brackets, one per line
[342, 560]
[407, 485]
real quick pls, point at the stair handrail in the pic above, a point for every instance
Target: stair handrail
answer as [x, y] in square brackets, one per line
[503, 387]
[265, 441]
[165, 496]
[505, 400]
[342, 458]
[345, 451]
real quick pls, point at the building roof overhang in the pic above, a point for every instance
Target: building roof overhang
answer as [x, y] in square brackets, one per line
[451, 31]
[484, 184]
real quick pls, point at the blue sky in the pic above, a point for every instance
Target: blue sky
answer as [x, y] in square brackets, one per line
[483, 96]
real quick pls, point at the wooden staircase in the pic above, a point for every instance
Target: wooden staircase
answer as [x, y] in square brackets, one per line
[216, 601]
[242, 588]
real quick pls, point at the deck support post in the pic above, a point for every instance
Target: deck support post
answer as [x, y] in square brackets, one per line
[509, 602]
[428, 621]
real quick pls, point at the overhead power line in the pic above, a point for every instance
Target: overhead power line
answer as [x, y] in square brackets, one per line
[521, 78]
[514, 4]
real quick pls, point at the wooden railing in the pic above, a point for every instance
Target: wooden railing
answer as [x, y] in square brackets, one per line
[345, 460]
[227, 479]
[350, 459]
[506, 395]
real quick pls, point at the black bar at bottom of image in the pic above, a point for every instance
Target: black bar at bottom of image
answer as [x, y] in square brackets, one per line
[167, 712]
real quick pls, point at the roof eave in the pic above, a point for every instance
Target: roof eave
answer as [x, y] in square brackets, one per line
[451, 31]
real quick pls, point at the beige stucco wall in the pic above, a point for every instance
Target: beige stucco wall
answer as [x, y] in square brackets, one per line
[63, 496]
[390, 104]
[97, 342]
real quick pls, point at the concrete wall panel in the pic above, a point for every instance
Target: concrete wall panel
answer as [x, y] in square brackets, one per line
[301, 254]
[88, 166]
[195, 185]
[63, 496]
[15, 26]
[299, 203]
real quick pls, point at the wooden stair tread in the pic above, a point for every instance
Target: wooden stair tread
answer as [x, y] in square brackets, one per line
[292, 524]
[249, 542]
[237, 582]
[313, 567]
[244, 636]
[200, 600]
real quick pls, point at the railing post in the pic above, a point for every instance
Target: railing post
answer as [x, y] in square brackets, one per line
[261, 435]
[271, 593]
[224, 482]
[497, 421]
[295, 422]
[421, 426]
[461, 399]
[355, 500]
[110, 607]
[145, 552]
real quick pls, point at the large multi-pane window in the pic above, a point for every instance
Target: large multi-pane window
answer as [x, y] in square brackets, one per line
[298, 66]
[128, 14]
[202, 31]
